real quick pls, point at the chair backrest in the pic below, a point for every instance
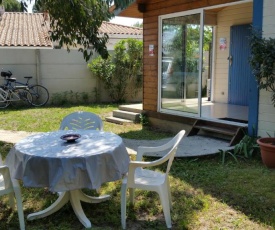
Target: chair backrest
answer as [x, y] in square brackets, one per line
[171, 146]
[81, 120]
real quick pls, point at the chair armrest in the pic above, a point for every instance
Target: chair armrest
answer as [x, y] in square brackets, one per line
[143, 164]
[146, 164]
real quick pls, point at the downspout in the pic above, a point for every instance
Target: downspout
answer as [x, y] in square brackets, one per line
[37, 59]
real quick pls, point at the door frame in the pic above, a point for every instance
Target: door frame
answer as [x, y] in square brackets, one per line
[173, 15]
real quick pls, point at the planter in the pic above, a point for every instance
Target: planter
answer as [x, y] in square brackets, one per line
[267, 146]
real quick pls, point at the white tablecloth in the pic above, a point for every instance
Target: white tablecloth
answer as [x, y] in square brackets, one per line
[45, 160]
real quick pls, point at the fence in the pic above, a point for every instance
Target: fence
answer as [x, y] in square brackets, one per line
[56, 69]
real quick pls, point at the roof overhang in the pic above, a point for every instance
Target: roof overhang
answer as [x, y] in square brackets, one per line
[133, 10]
[28, 47]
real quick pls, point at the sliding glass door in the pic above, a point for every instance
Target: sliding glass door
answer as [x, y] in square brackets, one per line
[180, 63]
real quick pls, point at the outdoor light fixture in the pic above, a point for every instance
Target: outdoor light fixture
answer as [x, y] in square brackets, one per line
[141, 7]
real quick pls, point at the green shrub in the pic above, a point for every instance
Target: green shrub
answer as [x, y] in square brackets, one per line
[72, 98]
[121, 72]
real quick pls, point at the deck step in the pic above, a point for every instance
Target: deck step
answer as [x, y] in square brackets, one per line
[117, 120]
[135, 108]
[132, 116]
[224, 131]
[235, 132]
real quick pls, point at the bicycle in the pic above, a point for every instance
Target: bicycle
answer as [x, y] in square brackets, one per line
[10, 94]
[40, 95]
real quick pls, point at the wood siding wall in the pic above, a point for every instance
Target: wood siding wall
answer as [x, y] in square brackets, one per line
[266, 121]
[155, 8]
[227, 17]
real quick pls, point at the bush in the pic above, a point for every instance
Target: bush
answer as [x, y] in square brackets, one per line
[121, 72]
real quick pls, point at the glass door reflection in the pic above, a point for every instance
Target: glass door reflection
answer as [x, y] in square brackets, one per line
[180, 65]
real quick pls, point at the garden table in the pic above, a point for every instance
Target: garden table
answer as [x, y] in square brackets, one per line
[45, 160]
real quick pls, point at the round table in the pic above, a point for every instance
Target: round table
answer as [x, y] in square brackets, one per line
[45, 160]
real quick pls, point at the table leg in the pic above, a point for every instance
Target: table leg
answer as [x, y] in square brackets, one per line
[75, 202]
[59, 203]
[92, 199]
[76, 196]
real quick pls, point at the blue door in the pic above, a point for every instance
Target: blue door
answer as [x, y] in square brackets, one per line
[239, 67]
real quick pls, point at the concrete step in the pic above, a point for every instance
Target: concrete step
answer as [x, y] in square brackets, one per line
[117, 120]
[135, 108]
[132, 116]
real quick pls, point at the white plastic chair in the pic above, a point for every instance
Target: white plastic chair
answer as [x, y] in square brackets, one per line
[81, 120]
[151, 180]
[12, 188]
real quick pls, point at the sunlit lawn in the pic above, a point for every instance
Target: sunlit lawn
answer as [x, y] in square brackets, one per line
[206, 194]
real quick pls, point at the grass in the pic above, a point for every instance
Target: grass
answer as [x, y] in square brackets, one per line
[206, 193]
[49, 119]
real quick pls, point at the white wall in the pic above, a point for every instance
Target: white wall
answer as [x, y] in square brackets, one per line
[57, 70]
[229, 16]
[115, 38]
[266, 122]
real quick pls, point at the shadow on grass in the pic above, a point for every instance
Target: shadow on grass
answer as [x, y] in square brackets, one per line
[146, 133]
[247, 187]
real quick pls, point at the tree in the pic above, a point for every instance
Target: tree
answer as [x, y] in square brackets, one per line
[121, 72]
[138, 24]
[12, 6]
[77, 22]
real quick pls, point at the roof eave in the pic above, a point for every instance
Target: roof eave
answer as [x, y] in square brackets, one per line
[26, 47]
[130, 11]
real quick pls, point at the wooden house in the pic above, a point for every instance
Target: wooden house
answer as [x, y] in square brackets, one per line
[196, 64]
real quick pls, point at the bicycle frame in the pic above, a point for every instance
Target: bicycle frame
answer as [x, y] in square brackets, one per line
[13, 96]
[3, 92]
[39, 93]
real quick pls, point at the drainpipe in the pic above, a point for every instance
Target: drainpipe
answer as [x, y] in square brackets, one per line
[37, 58]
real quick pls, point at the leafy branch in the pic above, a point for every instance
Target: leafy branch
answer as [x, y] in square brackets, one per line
[262, 62]
[76, 23]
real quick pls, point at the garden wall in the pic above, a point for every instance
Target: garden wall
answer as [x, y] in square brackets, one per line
[56, 69]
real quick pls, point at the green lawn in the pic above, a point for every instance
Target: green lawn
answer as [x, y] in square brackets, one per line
[206, 193]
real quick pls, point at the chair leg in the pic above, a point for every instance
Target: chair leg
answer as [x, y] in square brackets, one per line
[11, 201]
[123, 205]
[164, 198]
[169, 194]
[132, 195]
[19, 208]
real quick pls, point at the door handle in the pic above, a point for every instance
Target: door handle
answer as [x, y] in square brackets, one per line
[230, 58]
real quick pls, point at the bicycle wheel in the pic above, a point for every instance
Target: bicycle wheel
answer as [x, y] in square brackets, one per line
[4, 99]
[40, 95]
[21, 98]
